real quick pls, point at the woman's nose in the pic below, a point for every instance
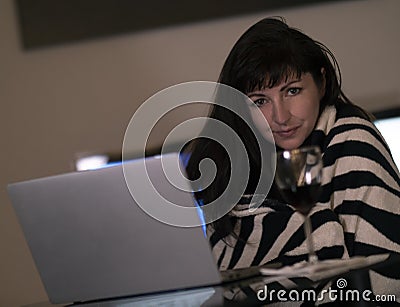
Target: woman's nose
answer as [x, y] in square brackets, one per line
[280, 113]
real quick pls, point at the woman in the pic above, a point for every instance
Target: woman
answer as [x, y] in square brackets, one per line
[295, 83]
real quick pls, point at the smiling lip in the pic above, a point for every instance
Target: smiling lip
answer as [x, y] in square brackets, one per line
[286, 133]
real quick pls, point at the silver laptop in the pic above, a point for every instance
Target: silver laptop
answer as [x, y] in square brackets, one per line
[90, 240]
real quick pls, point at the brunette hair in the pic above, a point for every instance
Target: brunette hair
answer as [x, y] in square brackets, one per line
[268, 53]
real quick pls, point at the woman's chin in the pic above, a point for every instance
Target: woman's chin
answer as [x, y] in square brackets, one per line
[288, 144]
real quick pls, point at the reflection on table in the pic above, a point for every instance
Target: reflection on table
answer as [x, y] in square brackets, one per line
[334, 285]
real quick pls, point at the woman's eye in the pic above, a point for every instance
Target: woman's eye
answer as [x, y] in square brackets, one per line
[294, 91]
[260, 102]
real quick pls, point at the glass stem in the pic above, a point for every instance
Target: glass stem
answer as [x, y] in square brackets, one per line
[312, 257]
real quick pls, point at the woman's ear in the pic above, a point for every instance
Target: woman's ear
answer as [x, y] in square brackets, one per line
[323, 83]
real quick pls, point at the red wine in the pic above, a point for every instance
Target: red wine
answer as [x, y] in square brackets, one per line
[303, 198]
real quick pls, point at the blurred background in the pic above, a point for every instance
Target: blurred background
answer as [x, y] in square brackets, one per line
[64, 97]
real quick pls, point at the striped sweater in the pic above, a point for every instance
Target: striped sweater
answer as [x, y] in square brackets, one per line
[357, 214]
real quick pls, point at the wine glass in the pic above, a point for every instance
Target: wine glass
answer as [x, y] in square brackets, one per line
[298, 177]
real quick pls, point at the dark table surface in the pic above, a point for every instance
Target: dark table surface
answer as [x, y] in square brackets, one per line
[342, 286]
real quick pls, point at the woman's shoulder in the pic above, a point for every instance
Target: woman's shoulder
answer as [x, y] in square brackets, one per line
[340, 122]
[354, 141]
[348, 110]
[352, 123]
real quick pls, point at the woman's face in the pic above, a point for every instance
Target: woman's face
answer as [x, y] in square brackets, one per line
[291, 109]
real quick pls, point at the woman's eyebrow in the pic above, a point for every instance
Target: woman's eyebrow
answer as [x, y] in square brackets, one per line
[283, 88]
[258, 94]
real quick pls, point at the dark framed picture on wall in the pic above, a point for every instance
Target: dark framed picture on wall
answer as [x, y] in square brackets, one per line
[46, 23]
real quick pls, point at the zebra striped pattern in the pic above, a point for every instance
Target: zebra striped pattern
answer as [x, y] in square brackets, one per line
[357, 214]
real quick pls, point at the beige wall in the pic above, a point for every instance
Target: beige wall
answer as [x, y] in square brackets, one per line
[61, 101]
